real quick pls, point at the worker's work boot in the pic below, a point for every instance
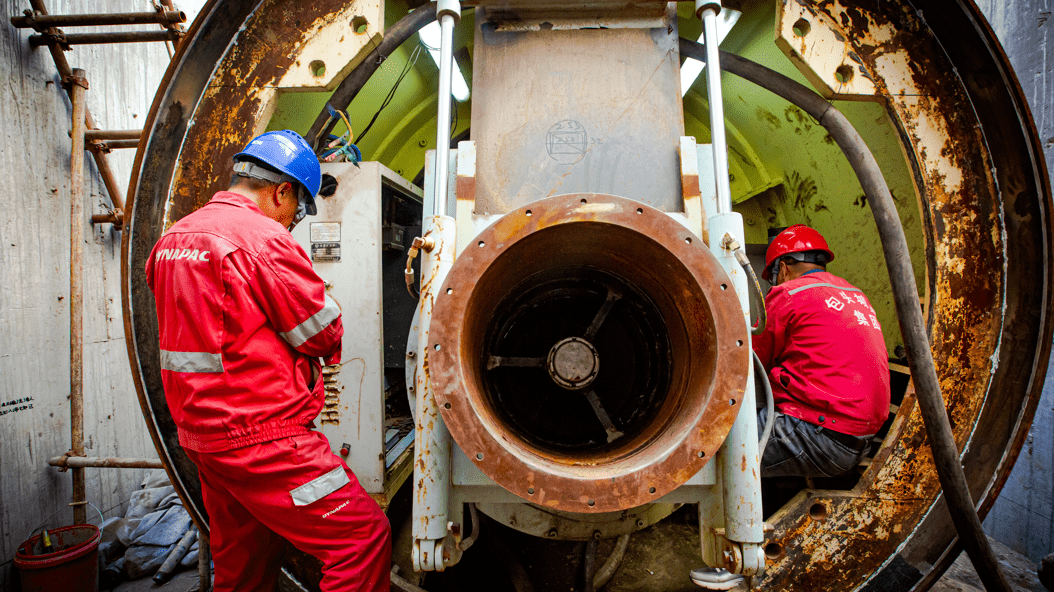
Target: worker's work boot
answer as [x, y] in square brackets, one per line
[715, 578]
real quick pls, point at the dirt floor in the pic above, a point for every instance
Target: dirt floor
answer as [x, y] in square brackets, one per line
[961, 577]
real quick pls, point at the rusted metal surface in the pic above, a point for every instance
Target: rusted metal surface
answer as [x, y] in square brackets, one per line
[78, 87]
[93, 135]
[985, 201]
[67, 39]
[973, 273]
[80, 462]
[40, 22]
[431, 479]
[706, 334]
[108, 145]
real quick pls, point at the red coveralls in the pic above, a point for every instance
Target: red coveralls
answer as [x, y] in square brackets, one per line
[824, 351]
[242, 318]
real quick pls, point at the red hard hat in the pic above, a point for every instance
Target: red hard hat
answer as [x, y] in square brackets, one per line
[796, 239]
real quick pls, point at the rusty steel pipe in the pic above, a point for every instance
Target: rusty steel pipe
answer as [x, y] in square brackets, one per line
[591, 268]
[95, 135]
[905, 291]
[40, 22]
[65, 73]
[115, 217]
[108, 145]
[103, 38]
[78, 87]
[56, 52]
[81, 462]
[102, 163]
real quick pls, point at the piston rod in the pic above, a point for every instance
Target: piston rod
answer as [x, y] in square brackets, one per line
[449, 13]
[708, 9]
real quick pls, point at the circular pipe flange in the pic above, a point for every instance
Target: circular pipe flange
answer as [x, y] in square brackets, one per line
[544, 293]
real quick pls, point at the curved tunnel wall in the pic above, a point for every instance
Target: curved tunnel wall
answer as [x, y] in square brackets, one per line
[990, 331]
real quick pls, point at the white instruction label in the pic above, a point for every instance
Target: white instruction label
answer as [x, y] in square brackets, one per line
[325, 232]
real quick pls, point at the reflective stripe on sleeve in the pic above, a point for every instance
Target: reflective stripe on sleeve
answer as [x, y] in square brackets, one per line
[320, 487]
[313, 326]
[197, 362]
[809, 286]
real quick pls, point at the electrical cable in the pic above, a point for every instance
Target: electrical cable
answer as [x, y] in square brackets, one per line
[410, 63]
[348, 89]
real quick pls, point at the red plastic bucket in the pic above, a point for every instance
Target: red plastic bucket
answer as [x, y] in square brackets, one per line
[74, 565]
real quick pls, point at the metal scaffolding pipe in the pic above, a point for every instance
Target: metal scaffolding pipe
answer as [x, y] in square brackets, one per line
[115, 217]
[108, 178]
[81, 462]
[44, 21]
[79, 84]
[108, 145]
[100, 38]
[94, 135]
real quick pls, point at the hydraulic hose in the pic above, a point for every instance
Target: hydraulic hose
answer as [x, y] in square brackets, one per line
[612, 563]
[905, 296]
[762, 376]
[346, 91]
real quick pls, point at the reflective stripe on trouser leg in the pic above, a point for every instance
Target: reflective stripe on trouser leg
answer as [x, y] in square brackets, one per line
[345, 530]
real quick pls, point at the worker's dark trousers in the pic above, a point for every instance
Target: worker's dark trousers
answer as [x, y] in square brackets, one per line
[294, 489]
[798, 448]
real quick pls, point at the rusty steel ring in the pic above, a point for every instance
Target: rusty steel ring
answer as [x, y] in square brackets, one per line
[709, 351]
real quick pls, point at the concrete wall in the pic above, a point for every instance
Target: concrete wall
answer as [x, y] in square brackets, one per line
[1023, 517]
[34, 275]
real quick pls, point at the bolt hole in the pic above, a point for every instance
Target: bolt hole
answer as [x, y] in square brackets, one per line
[724, 286]
[479, 456]
[481, 243]
[818, 511]
[773, 550]
[731, 401]
[583, 200]
[640, 210]
[843, 74]
[702, 454]
[801, 28]
[449, 290]
[318, 68]
[651, 490]
[739, 343]
[591, 503]
[446, 405]
[530, 491]
[688, 240]
[528, 212]
[437, 348]
[360, 24]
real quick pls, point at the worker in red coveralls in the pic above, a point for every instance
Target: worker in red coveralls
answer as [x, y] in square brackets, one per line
[243, 320]
[826, 361]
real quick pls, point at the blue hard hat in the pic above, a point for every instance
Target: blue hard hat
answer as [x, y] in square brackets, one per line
[287, 152]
